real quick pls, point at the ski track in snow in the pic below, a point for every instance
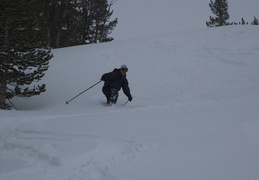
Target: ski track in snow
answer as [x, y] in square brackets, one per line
[29, 146]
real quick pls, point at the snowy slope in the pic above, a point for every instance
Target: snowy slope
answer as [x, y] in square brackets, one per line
[194, 114]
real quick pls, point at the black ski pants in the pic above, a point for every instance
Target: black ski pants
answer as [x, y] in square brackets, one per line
[111, 94]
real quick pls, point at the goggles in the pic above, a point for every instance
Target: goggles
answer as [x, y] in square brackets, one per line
[124, 69]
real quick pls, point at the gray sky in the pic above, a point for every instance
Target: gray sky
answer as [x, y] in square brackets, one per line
[149, 17]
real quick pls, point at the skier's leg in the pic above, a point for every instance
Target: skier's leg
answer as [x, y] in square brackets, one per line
[107, 92]
[114, 96]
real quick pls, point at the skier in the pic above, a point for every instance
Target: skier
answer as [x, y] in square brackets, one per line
[113, 82]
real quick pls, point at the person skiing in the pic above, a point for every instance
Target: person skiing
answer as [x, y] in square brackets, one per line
[113, 82]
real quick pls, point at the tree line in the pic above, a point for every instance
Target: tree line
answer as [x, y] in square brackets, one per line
[77, 22]
[30, 28]
[220, 9]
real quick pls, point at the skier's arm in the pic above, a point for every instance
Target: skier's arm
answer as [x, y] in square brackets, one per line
[108, 78]
[126, 90]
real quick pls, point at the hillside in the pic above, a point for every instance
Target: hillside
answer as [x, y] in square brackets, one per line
[194, 114]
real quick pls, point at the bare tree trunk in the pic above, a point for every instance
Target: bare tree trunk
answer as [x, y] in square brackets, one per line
[2, 90]
[58, 39]
[96, 32]
[60, 28]
[48, 36]
[3, 71]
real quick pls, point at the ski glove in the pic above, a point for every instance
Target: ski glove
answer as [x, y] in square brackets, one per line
[130, 98]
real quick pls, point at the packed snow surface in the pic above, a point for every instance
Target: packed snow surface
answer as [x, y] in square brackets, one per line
[194, 114]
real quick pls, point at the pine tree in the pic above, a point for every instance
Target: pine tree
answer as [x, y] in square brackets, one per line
[24, 54]
[96, 21]
[255, 21]
[79, 22]
[220, 9]
[243, 21]
[61, 21]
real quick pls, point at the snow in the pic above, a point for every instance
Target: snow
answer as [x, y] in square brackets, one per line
[194, 114]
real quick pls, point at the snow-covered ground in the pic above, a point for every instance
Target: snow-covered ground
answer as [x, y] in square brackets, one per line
[194, 114]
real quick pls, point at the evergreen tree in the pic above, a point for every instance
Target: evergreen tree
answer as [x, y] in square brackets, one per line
[56, 11]
[24, 54]
[79, 22]
[243, 21]
[255, 21]
[97, 26]
[220, 9]
[62, 22]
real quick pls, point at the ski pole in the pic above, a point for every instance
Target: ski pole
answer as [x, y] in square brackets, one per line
[83, 92]
[125, 103]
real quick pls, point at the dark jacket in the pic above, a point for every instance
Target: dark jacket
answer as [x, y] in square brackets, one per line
[117, 81]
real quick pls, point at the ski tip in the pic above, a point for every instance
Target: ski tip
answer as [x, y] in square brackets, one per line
[66, 102]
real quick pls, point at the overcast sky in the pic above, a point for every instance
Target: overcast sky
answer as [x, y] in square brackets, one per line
[149, 17]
